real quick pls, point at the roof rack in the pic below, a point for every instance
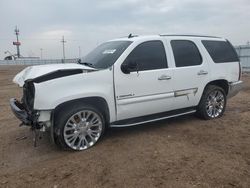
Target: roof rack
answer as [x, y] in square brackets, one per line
[189, 35]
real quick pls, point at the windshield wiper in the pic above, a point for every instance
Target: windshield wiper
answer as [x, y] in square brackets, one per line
[87, 64]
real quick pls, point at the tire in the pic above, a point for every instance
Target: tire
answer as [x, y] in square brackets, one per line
[78, 126]
[213, 103]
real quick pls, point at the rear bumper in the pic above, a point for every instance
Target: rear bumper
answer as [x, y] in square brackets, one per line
[20, 112]
[234, 88]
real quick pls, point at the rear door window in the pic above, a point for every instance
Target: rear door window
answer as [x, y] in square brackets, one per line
[186, 53]
[221, 51]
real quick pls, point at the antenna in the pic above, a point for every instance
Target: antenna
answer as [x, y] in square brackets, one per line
[131, 35]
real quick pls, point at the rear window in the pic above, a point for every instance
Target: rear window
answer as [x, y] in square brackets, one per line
[221, 51]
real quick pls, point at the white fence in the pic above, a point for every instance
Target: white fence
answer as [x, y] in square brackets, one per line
[36, 61]
[243, 52]
[244, 55]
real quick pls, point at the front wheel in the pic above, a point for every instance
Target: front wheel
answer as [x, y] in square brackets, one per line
[213, 103]
[79, 127]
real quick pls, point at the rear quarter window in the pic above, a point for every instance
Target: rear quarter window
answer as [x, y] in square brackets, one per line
[221, 51]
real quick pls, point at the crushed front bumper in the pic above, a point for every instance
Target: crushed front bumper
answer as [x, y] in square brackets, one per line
[20, 112]
[27, 118]
[234, 88]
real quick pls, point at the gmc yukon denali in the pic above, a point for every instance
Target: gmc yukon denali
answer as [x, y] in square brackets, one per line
[125, 82]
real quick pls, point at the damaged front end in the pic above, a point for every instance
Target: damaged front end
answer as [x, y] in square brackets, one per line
[31, 114]
[24, 109]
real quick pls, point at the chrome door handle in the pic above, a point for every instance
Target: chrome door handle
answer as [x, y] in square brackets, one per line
[164, 77]
[202, 72]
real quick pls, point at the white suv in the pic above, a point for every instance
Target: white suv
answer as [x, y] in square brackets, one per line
[128, 81]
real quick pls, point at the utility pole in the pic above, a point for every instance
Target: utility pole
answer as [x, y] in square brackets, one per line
[17, 43]
[79, 47]
[41, 53]
[63, 42]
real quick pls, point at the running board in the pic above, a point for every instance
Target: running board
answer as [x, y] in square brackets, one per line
[123, 123]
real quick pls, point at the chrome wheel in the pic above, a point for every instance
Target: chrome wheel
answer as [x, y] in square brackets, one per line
[83, 129]
[215, 104]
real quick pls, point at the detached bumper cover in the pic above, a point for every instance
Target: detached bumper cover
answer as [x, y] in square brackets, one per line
[20, 112]
[234, 88]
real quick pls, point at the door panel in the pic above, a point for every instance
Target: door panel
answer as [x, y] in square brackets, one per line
[190, 74]
[148, 89]
[189, 85]
[143, 93]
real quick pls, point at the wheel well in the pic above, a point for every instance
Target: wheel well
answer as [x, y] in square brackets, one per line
[97, 102]
[221, 83]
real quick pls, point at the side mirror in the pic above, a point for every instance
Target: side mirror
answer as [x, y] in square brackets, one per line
[128, 67]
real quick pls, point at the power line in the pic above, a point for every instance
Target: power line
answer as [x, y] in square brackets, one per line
[25, 38]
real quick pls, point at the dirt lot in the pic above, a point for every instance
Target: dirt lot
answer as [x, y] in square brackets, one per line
[181, 152]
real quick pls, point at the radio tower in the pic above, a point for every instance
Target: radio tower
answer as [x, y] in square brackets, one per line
[17, 43]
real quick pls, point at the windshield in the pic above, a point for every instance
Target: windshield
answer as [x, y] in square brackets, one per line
[105, 55]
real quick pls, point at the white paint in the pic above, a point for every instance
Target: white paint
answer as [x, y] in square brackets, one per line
[39, 70]
[135, 94]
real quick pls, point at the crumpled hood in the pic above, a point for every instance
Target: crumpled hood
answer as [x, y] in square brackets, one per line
[32, 72]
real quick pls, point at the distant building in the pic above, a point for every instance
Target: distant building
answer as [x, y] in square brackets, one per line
[10, 57]
[28, 58]
[14, 57]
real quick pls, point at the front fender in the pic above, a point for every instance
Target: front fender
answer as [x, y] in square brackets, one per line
[50, 94]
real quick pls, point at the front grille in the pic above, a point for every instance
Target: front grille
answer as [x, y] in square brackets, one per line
[28, 95]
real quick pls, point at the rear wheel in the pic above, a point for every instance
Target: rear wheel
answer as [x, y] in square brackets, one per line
[213, 103]
[78, 127]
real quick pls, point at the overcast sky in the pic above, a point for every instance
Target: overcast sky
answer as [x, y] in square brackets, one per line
[42, 23]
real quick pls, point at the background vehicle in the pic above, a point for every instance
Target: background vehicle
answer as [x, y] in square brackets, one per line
[128, 81]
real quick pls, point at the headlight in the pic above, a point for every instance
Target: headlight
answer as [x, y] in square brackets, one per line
[28, 95]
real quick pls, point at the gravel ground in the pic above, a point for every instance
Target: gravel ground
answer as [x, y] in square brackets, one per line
[180, 152]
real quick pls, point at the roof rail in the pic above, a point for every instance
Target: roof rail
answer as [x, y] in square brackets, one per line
[189, 35]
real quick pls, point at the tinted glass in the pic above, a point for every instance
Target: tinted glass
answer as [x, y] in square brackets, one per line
[186, 53]
[221, 51]
[149, 55]
[106, 54]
